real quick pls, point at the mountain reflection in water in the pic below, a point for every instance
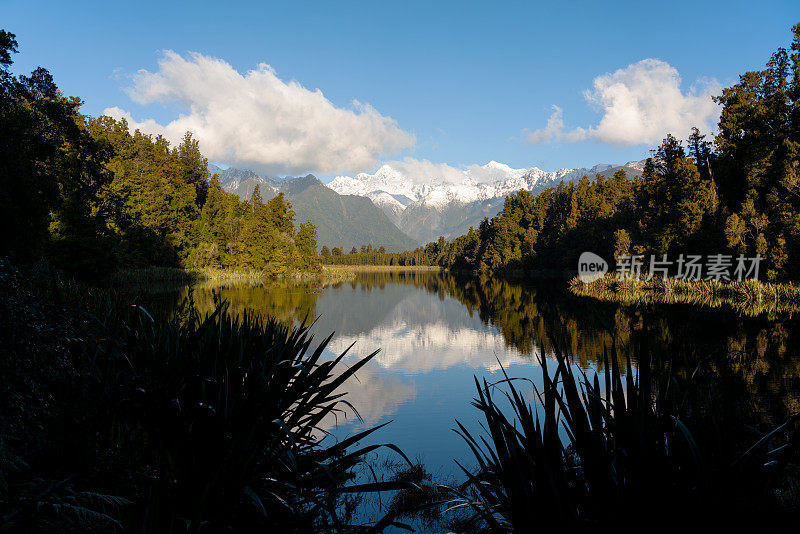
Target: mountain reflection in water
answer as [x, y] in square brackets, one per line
[435, 331]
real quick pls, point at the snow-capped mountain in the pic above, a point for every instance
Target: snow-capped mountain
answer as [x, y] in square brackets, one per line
[241, 182]
[426, 207]
[391, 187]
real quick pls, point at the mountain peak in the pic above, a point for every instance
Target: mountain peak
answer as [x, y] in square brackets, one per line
[497, 165]
[600, 167]
[428, 206]
[343, 221]
[292, 186]
[308, 179]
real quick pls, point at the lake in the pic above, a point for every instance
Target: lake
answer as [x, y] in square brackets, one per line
[435, 332]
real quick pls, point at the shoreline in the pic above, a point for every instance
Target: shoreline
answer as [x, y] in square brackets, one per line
[750, 297]
[191, 276]
[176, 275]
[379, 268]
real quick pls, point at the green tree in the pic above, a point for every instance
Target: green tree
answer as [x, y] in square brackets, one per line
[306, 240]
[51, 174]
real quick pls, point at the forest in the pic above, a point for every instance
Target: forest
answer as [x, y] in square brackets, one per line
[739, 194]
[90, 197]
[368, 255]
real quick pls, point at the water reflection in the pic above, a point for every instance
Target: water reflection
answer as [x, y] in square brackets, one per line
[375, 395]
[435, 331]
[421, 332]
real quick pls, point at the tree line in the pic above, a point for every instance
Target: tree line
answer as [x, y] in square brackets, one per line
[90, 197]
[737, 195]
[430, 254]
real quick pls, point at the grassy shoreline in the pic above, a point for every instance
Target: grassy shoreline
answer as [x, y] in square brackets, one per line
[177, 276]
[189, 276]
[750, 297]
[379, 268]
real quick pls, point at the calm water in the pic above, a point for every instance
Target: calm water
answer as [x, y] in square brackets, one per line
[435, 332]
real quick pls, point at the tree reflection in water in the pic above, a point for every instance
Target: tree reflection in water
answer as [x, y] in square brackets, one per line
[752, 363]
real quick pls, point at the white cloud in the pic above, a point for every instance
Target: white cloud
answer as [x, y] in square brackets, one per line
[552, 132]
[640, 104]
[256, 120]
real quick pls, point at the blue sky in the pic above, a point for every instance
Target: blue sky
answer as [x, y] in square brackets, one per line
[465, 82]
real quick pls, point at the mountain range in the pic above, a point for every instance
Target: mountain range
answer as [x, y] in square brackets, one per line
[399, 211]
[342, 220]
[425, 209]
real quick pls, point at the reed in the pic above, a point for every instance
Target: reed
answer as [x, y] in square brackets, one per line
[608, 452]
[173, 276]
[749, 297]
[152, 275]
[338, 275]
[228, 411]
[380, 268]
[184, 423]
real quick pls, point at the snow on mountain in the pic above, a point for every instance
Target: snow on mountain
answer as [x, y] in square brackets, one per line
[242, 182]
[392, 205]
[386, 180]
[475, 184]
[384, 198]
[427, 200]
[638, 165]
[390, 183]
